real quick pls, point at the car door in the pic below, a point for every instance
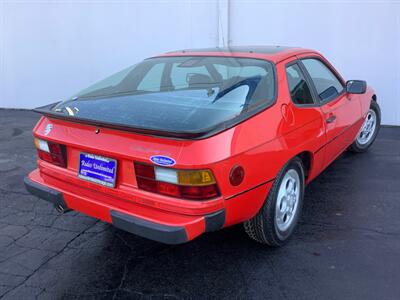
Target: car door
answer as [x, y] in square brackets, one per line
[341, 112]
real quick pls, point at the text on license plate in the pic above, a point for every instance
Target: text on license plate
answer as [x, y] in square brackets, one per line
[98, 169]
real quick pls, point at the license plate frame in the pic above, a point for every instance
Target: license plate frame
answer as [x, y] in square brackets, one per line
[98, 169]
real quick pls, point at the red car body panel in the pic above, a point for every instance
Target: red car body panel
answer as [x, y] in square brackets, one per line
[262, 145]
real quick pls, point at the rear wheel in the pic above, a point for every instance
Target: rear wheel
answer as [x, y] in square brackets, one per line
[369, 130]
[276, 220]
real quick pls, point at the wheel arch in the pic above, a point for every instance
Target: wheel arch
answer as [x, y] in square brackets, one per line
[307, 158]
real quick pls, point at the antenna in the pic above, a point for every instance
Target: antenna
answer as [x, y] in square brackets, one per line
[223, 23]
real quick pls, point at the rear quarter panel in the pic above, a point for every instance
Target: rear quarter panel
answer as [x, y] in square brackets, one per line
[262, 144]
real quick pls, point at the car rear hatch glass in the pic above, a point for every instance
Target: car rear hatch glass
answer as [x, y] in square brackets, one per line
[182, 96]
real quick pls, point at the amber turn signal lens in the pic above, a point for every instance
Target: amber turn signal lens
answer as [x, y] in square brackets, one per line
[197, 177]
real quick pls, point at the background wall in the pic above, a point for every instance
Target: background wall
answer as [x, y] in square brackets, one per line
[360, 38]
[51, 49]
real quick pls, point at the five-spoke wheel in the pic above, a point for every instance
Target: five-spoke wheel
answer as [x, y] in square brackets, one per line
[288, 199]
[369, 130]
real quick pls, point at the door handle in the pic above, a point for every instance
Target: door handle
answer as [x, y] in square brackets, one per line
[330, 119]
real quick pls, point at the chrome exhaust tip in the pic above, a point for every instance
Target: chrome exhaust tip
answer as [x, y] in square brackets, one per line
[61, 209]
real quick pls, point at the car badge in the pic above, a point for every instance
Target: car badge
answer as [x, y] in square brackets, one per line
[162, 160]
[48, 128]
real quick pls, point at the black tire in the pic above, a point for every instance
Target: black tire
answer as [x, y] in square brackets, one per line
[263, 227]
[357, 146]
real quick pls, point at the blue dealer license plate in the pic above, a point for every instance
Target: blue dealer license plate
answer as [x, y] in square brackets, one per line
[98, 169]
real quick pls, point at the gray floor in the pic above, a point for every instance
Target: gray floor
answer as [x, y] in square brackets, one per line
[346, 247]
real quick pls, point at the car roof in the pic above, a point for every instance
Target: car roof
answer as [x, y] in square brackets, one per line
[272, 53]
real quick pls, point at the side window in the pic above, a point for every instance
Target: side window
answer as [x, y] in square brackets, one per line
[152, 80]
[326, 83]
[298, 87]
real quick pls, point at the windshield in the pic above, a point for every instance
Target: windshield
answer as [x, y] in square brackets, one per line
[178, 94]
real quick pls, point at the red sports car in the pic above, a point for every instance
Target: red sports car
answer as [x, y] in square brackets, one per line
[193, 141]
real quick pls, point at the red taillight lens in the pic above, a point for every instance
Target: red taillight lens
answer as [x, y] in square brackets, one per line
[147, 184]
[180, 184]
[44, 155]
[146, 171]
[169, 189]
[199, 192]
[55, 149]
[52, 152]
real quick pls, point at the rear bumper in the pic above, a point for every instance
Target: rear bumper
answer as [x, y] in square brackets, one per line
[44, 192]
[165, 227]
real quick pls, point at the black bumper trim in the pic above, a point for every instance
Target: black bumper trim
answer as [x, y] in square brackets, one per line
[44, 192]
[153, 231]
[215, 221]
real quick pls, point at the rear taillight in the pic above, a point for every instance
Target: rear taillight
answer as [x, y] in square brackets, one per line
[186, 184]
[51, 152]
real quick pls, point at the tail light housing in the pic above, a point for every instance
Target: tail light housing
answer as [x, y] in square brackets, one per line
[51, 152]
[185, 184]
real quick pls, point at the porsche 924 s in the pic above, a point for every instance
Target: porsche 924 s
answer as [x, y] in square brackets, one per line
[192, 141]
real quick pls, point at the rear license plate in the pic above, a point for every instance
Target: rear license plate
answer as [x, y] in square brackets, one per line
[98, 169]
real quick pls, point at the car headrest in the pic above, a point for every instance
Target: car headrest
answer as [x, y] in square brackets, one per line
[199, 79]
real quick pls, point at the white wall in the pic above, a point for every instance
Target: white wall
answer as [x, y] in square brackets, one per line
[51, 49]
[360, 38]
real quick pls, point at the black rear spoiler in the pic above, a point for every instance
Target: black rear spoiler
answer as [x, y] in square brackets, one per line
[186, 135]
[182, 135]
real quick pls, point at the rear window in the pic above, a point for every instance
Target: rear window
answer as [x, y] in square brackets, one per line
[177, 94]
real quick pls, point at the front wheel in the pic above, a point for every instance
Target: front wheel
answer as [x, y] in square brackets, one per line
[276, 220]
[369, 130]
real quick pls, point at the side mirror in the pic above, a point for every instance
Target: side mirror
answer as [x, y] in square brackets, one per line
[356, 86]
